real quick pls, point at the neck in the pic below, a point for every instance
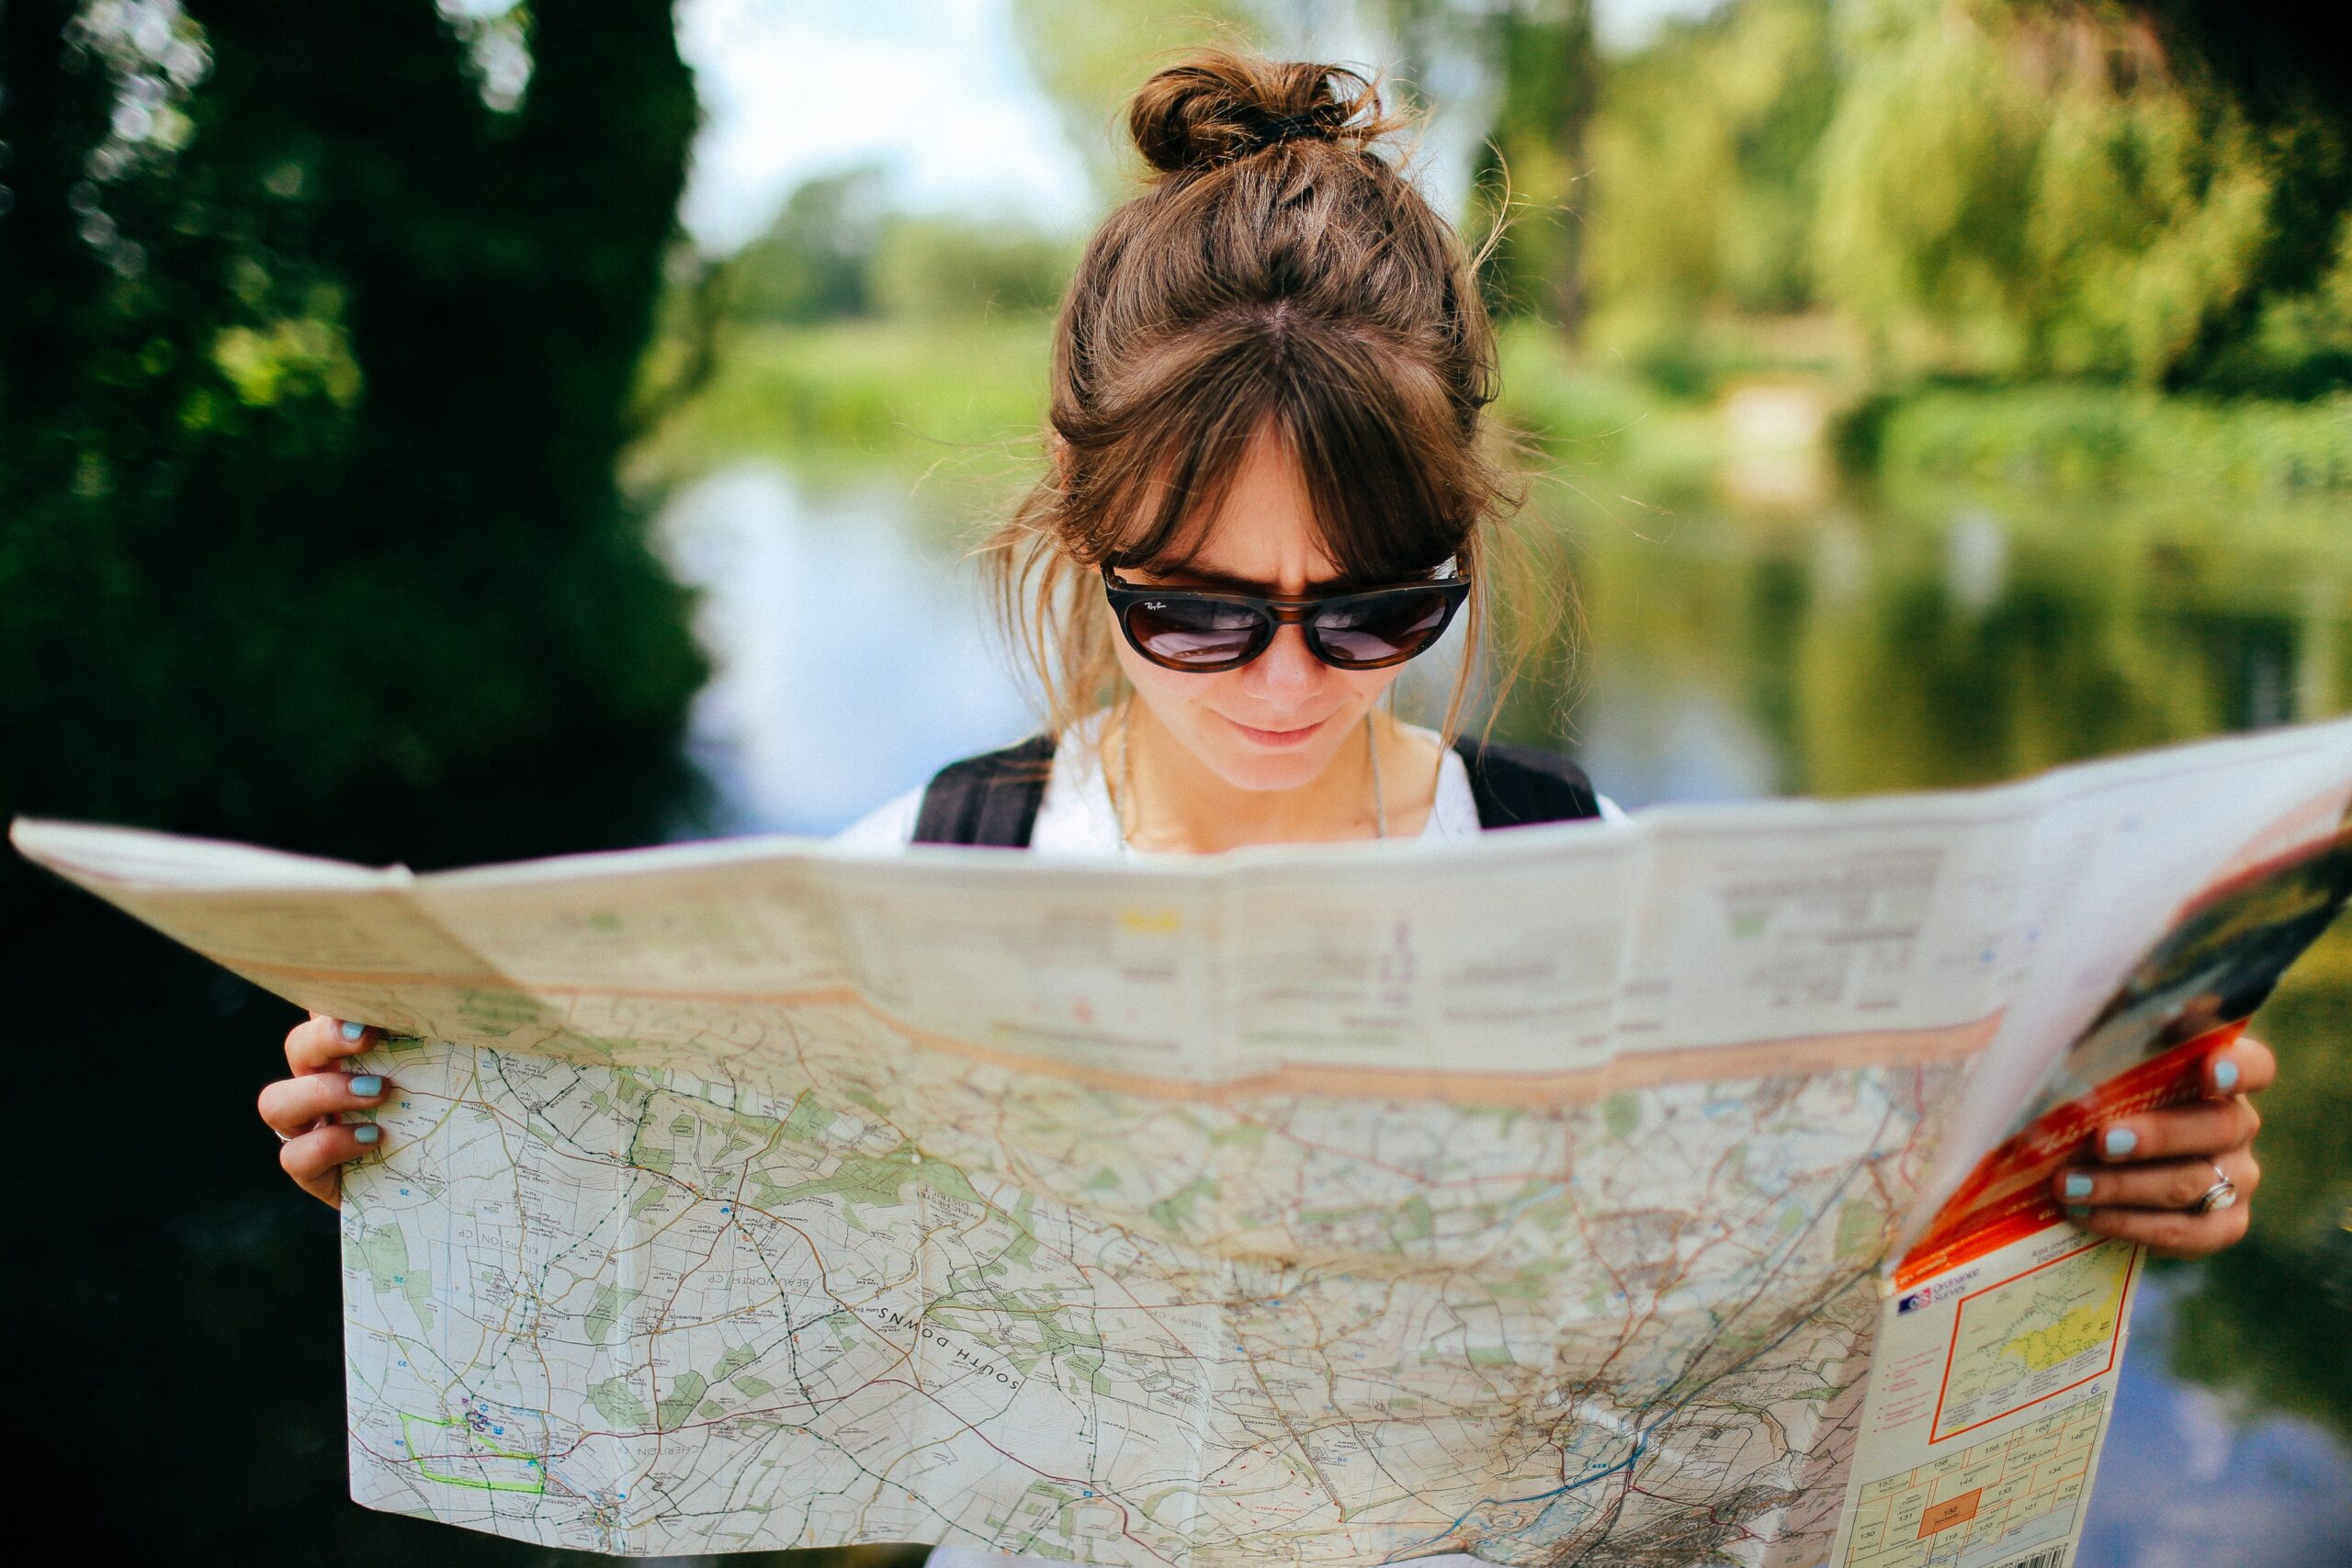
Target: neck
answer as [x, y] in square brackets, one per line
[1172, 803]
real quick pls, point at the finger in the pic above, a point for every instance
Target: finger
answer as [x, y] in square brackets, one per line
[2203, 1127]
[2245, 1067]
[315, 1160]
[2155, 1184]
[292, 1105]
[2170, 1232]
[318, 1044]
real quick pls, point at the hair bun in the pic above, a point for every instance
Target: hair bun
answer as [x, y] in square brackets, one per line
[1218, 105]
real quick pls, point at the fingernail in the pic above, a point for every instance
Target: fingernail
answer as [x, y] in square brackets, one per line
[2225, 1076]
[366, 1133]
[2121, 1141]
[2077, 1185]
[367, 1086]
[2078, 1212]
[353, 1029]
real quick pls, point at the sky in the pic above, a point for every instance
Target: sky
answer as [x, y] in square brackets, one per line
[935, 89]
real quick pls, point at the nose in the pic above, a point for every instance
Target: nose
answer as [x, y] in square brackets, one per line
[1287, 673]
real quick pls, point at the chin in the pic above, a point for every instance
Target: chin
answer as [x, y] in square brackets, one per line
[1245, 765]
[1271, 773]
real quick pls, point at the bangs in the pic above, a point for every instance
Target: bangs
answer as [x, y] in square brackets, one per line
[1373, 435]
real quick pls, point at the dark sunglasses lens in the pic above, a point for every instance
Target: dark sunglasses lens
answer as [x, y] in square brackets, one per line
[1384, 629]
[1194, 632]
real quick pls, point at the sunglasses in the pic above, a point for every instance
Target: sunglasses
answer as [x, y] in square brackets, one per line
[1204, 631]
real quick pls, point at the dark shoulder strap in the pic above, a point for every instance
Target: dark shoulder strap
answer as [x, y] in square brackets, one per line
[989, 800]
[1516, 785]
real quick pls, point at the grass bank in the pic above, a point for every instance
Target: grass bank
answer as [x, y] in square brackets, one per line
[2106, 439]
[862, 393]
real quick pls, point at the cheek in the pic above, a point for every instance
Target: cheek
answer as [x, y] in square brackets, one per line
[1366, 687]
[1188, 707]
[1166, 691]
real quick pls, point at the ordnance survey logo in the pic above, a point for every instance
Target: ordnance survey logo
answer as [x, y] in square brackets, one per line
[1936, 1290]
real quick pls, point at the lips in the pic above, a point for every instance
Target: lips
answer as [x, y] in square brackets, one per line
[1278, 739]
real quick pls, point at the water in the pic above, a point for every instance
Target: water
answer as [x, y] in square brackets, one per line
[1815, 644]
[852, 657]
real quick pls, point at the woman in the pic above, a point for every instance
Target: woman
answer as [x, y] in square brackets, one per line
[1271, 489]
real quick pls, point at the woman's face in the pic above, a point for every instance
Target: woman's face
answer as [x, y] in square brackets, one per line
[1278, 721]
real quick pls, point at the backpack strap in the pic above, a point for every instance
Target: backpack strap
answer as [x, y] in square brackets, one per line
[992, 798]
[1517, 785]
[989, 800]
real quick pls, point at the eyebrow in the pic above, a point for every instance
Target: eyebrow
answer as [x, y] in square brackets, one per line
[1179, 577]
[1201, 577]
[1194, 576]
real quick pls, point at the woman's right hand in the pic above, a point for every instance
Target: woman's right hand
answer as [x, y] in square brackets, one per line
[299, 1108]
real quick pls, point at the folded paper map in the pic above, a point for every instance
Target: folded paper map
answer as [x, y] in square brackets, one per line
[1542, 1196]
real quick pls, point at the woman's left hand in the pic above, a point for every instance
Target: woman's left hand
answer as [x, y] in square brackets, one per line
[2141, 1176]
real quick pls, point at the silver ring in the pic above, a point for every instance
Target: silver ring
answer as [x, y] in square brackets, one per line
[290, 1137]
[2221, 1195]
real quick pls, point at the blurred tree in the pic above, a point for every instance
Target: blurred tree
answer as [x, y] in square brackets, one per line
[2015, 187]
[837, 249]
[1704, 152]
[1531, 168]
[930, 267]
[815, 262]
[2288, 68]
[313, 361]
[1091, 55]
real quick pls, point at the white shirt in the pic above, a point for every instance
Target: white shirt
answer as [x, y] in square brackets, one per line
[1076, 815]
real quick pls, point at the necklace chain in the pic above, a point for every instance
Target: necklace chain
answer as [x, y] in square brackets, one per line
[1128, 776]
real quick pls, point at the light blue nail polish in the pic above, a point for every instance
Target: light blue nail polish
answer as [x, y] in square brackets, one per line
[353, 1029]
[366, 1131]
[2077, 1185]
[367, 1086]
[2121, 1141]
[2225, 1076]
[2077, 1212]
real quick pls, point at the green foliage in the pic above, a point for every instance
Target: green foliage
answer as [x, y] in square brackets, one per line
[945, 268]
[2002, 189]
[2021, 190]
[1534, 158]
[815, 262]
[2101, 440]
[838, 251]
[313, 370]
[1980, 216]
[1589, 423]
[1091, 56]
[2298, 344]
[1704, 169]
[868, 389]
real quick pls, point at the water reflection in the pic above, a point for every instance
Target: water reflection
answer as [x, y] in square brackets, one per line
[852, 657]
[2191, 1479]
[1877, 643]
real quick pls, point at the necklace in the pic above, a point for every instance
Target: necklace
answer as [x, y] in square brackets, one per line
[1127, 777]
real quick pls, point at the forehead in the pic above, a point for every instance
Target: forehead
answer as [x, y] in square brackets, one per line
[1264, 532]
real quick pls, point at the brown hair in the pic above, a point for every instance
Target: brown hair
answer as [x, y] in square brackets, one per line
[1276, 269]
